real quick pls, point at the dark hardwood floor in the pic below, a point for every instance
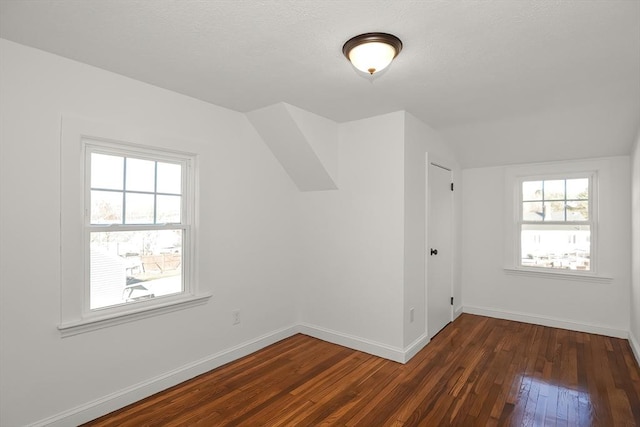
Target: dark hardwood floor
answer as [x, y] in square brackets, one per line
[478, 371]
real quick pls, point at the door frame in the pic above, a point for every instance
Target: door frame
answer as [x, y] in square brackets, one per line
[435, 161]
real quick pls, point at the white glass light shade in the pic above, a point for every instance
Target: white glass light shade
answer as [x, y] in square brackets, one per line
[372, 52]
[372, 57]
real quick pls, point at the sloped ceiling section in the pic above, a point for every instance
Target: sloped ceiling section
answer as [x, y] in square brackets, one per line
[305, 144]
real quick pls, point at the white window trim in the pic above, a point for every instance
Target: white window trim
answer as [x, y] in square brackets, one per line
[514, 176]
[135, 312]
[127, 150]
[592, 222]
[75, 317]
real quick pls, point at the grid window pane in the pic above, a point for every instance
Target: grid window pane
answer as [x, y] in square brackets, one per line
[130, 266]
[532, 190]
[141, 175]
[554, 211]
[578, 211]
[553, 205]
[578, 189]
[144, 180]
[139, 208]
[168, 209]
[532, 211]
[107, 171]
[554, 190]
[106, 207]
[169, 178]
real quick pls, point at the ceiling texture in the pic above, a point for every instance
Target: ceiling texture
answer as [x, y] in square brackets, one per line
[463, 61]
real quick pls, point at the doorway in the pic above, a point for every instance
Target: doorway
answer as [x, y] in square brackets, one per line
[439, 250]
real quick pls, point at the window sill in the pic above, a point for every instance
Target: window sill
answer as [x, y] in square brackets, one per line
[68, 329]
[578, 277]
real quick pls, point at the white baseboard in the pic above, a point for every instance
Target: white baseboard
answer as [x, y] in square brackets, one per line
[415, 347]
[635, 346]
[367, 346]
[457, 312]
[136, 392]
[546, 321]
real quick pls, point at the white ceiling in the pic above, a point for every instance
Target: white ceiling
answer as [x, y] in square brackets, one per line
[463, 61]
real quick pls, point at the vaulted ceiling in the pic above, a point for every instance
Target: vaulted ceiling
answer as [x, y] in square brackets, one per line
[464, 64]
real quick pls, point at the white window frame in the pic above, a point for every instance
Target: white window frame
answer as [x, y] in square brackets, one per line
[597, 170]
[79, 137]
[91, 146]
[592, 222]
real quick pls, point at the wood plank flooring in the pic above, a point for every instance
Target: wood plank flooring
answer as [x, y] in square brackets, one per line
[478, 371]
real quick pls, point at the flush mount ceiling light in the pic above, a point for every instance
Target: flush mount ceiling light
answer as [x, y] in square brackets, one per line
[372, 52]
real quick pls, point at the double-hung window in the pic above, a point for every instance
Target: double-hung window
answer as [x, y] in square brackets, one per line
[138, 222]
[556, 222]
[128, 225]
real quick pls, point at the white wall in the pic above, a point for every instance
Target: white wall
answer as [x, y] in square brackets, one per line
[352, 270]
[486, 289]
[363, 267]
[304, 143]
[551, 134]
[321, 134]
[635, 252]
[246, 237]
[421, 139]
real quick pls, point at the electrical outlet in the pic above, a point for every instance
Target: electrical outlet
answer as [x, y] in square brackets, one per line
[411, 314]
[236, 317]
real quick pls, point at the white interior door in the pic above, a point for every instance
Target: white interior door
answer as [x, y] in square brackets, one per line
[439, 248]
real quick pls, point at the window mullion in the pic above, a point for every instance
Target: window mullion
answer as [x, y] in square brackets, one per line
[135, 227]
[564, 207]
[155, 193]
[124, 191]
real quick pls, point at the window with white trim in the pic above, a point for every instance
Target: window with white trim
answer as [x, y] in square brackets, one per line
[128, 240]
[137, 227]
[557, 222]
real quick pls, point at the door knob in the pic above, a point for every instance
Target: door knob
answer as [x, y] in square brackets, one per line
[434, 251]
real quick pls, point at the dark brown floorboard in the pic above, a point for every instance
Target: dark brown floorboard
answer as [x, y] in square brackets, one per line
[478, 371]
